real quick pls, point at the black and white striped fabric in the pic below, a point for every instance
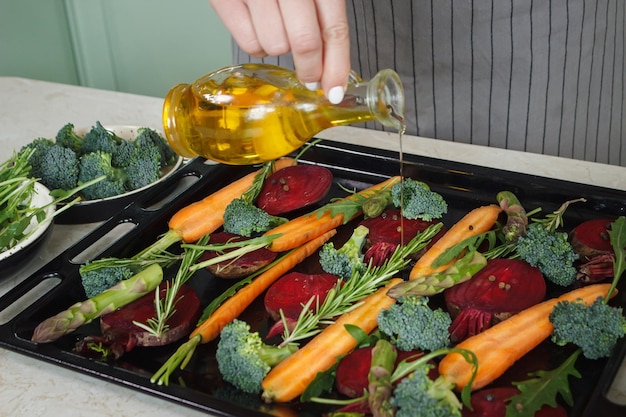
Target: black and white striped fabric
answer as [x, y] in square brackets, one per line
[542, 76]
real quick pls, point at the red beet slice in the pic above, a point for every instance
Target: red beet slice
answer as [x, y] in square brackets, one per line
[119, 324]
[294, 187]
[239, 267]
[352, 371]
[293, 290]
[386, 233]
[502, 288]
[492, 402]
[591, 238]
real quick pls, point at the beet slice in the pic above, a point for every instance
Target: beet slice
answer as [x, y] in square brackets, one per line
[502, 288]
[239, 267]
[352, 371]
[591, 238]
[291, 291]
[492, 402]
[294, 187]
[119, 324]
[386, 233]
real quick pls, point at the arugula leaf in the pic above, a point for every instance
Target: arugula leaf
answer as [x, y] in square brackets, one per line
[542, 389]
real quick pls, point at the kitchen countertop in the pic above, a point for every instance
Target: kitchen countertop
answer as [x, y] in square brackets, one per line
[31, 109]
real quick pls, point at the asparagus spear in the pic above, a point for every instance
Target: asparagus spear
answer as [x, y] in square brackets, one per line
[380, 387]
[85, 312]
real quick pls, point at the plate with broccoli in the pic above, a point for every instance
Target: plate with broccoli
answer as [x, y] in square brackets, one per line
[127, 159]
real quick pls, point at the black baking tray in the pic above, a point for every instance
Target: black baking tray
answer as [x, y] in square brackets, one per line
[199, 386]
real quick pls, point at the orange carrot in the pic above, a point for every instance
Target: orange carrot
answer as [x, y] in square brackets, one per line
[475, 222]
[235, 305]
[289, 378]
[500, 346]
[308, 226]
[205, 216]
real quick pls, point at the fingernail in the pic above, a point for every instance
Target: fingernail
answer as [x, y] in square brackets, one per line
[335, 95]
[312, 86]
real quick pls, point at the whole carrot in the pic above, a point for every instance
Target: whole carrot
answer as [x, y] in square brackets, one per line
[475, 222]
[210, 328]
[287, 380]
[306, 227]
[500, 346]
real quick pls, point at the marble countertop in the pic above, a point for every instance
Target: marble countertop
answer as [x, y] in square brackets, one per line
[31, 109]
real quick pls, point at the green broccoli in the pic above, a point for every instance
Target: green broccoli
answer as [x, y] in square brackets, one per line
[595, 328]
[97, 164]
[418, 395]
[550, 251]
[417, 201]
[123, 154]
[37, 148]
[96, 281]
[411, 324]
[150, 138]
[100, 139]
[246, 219]
[58, 168]
[244, 359]
[143, 168]
[348, 259]
[67, 137]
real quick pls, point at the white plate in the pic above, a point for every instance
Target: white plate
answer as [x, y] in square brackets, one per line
[40, 198]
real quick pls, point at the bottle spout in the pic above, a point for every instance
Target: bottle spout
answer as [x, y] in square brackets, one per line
[386, 99]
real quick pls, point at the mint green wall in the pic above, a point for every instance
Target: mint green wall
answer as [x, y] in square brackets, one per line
[35, 41]
[136, 46]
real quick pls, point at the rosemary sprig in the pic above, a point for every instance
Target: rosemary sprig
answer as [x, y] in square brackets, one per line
[346, 294]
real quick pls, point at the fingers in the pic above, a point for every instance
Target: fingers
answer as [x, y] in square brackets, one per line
[315, 31]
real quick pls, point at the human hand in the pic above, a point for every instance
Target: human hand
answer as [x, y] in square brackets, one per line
[315, 31]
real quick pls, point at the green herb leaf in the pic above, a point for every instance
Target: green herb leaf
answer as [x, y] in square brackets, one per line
[543, 388]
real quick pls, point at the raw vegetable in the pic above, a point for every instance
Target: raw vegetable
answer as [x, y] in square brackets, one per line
[120, 334]
[417, 201]
[294, 187]
[348, 293]
[244, 359]
[245, 219]
[58, 169]
[477, 221]
[18, 218]
[86, 311]
[380, 387]
[388, 230]
[502, 288]
[303, 228]
[292, 291]
[411, 324]
[287, 380]
[239, 267]
[595, 328]
[591, 238]
[498, 347]
[348, 259]
[211, 327]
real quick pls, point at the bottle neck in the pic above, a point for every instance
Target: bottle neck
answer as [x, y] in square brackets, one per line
[383, 96]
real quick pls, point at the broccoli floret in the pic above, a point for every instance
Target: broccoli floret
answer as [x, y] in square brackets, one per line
[411, 324]
[123, 154]
[59, 168]
[67, 138]
[96, 281]
[94, 165]
[595, 328]
[100, 139]
[143, 168]
[418, 395]
[38, 148]
[150, 138]
[245, 219]
[549, 251]
[348, 259]
[244, 359]
[419, 201]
